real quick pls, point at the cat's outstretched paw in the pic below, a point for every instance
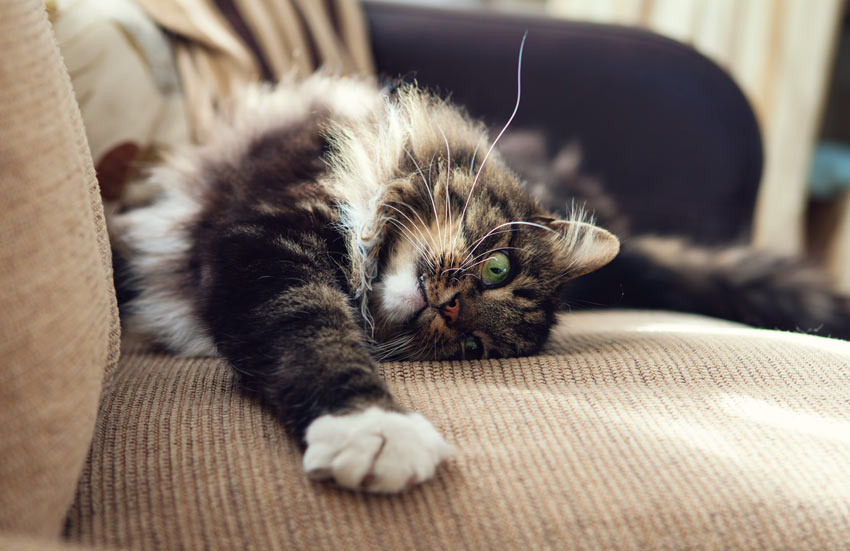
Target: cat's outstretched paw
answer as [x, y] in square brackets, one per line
[374, 449]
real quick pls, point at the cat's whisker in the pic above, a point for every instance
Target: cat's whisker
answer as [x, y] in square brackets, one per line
[507, 124]
[467, 267]
[418, 249]
[404, 232]
[394, 341]
[459, 229]
[468, 247]
[418, 217]
[427, 184]
[423, 240]
[468, 256]
[404, 229]
[470, 275]
[420, 352]
[403, 348]
[426, 249]
[399, 350]
[476, 264]
[393, 348]
[431, 191]
[448, 217]
[418, 238]
[506, 224]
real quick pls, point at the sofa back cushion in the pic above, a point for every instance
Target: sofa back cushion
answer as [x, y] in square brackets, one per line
[58, 321]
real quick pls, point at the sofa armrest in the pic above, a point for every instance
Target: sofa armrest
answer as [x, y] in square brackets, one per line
[58, 321]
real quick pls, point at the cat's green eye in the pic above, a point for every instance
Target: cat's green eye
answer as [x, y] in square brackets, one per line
[496, 269]
[471, 348]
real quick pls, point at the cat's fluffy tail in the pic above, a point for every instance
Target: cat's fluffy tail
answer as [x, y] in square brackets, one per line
[734, 283]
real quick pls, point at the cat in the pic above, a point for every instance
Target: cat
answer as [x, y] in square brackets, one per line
[331, 224]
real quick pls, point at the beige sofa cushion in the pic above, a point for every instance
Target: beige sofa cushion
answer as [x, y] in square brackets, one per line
[58, 324]
[634, 431]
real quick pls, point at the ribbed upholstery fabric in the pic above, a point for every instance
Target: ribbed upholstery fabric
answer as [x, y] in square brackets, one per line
[58, 322]
[20, 543]
[633, 431]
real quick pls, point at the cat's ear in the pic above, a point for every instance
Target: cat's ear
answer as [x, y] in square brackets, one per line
[580, 247]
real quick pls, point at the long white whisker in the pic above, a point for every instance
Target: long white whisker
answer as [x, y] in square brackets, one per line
[420, 239]
[431, 191]
[407, 235]
[418, 168]
[488, 234]
[393, 343]
[448, 217]
[415, 212]
[507, 124]
[467, 250]
[476, 264]
[393, 347]
[496, 249]
[467, 266]
[428, 189]
[409, 240]
[423, 240]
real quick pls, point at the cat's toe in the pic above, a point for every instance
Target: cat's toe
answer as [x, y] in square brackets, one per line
[374, 450]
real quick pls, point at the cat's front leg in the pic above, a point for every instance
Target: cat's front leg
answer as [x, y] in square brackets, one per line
[305, 355]
[292, 338]
[325, 386]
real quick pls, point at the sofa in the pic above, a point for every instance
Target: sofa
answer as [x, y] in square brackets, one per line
[632, 430]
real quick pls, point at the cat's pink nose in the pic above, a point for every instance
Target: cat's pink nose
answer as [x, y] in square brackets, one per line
[451, 310]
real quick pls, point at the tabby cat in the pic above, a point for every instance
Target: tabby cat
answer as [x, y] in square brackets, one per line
[332, 224]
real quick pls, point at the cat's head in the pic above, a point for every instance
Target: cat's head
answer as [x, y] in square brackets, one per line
[468, 265]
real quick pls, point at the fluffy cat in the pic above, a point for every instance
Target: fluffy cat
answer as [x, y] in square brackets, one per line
[332, 224]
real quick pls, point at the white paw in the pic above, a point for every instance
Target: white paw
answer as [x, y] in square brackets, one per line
[375, 449]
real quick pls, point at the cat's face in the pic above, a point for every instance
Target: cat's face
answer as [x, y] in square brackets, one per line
[478, 275]
[450, 258]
